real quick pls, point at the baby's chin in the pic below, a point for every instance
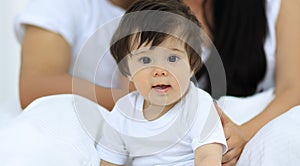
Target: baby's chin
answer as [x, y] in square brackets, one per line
[165, 102]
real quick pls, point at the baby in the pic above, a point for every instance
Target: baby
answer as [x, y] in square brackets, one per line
[167, 120]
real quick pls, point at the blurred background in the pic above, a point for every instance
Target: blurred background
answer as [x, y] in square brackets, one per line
[9, 49]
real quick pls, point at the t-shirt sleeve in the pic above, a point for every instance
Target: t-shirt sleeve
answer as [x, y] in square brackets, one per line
[215, 136]
[111, 146]
[61, 17]
[207, 127]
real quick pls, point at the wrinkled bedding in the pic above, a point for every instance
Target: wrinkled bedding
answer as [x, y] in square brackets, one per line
[60, 130]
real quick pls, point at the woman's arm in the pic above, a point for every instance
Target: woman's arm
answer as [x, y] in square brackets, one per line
[287, 89]
[44, 70]
[210, 155]
[287, 83]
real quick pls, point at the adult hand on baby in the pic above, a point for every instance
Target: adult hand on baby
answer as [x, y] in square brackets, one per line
[235, 138]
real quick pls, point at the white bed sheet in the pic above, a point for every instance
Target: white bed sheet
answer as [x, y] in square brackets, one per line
[49, 132]
[9, 109]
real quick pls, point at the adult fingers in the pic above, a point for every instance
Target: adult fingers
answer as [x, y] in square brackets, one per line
[234, 150]
[231, 162]
[229, 155]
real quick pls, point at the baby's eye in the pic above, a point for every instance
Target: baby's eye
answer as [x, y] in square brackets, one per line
[173, 58]
[145, 60]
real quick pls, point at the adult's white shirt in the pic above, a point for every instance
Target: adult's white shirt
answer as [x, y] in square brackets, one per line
[87, 26]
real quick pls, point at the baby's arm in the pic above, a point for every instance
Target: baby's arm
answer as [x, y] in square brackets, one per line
[209, 155]
[105, 163]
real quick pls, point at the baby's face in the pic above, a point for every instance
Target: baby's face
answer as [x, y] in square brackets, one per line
[161, 74]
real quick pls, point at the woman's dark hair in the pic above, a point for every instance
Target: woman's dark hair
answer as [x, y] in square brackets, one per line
[239, 30]
[152, 22]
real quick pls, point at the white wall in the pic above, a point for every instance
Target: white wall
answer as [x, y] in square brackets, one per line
[9, 49]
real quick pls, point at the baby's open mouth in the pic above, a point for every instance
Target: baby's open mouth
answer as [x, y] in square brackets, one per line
[161, 87]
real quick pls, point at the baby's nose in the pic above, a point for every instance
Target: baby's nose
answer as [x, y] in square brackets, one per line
[159, 72]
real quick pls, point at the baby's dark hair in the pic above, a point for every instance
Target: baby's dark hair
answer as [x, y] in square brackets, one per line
[152, 22]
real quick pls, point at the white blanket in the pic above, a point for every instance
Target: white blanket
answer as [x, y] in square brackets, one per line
[277, 143]
[56, 130]
[48, 133]
[9, 109]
